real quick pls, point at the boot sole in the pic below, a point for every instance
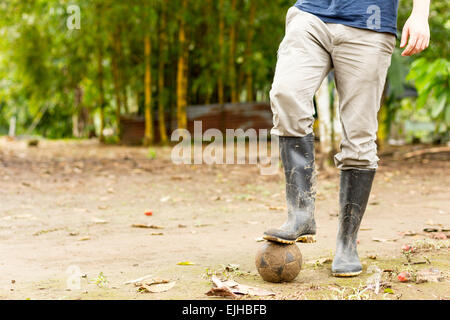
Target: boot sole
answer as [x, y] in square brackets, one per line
[302, 239]
[346, 275]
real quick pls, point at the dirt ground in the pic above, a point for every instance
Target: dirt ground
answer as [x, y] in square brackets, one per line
[70, 205]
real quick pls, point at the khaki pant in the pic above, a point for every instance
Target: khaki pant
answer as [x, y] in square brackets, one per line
[360, 58]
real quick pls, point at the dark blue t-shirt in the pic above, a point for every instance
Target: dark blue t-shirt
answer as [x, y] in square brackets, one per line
[376, 15]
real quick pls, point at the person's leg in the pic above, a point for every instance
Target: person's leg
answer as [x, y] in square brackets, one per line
[303, 62]
[361, 59]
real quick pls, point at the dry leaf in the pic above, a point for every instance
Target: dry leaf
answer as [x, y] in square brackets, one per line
[439, 236]
[138, 280]
[164, 199]
[157, 286]
[221, 292]
[146, 226]
[232, 267]
[429, 275]
[407, 233]
[186, 263]
[223, 288]
[383, 240]
[99, 221]
[238, 288]
[273, 208]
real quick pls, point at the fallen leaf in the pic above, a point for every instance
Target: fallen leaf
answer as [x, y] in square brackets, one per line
[139, 279]
[164, 199]
[429, 275]
[179, 178]
[99, 221]
[156, 287]
[241, 289]
[407, 233]
[157, 234]
[232, 267]
[145, 226]
[431, 230]
[221, 292]
[439, 236]
[389, 291]
[383, 240]
[186, 263]
[272, 208]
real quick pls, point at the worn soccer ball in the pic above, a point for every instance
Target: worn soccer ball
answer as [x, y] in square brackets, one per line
[278, 262]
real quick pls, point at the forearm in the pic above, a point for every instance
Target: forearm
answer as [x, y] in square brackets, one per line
[421, 8]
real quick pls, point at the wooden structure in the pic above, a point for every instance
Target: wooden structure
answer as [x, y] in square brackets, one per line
[256, 115]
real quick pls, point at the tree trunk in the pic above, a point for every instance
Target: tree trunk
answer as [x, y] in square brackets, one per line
[325, 125]
[121, 66]
[232, 56]
[101, 90]
[209, 11]
[117, 94]
[148, 93]
[249, 51]
[182, 70]
[78, 118]
[220, 88]
[337, 126]
[161, 66]
[384, 121]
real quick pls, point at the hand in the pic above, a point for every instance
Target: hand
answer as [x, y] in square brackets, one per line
[418, 31]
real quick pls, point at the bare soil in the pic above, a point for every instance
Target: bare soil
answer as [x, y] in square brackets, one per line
[72, 204]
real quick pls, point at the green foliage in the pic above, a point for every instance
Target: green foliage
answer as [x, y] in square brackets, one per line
[43, 65]
[431, 80]
[433, 100]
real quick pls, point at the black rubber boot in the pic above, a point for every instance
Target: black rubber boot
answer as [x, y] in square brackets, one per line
[297, 155]
[353, 197]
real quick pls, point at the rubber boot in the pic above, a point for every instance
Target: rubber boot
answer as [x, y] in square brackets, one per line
[353, 197]
[297, 155]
